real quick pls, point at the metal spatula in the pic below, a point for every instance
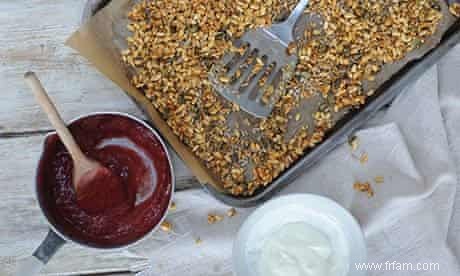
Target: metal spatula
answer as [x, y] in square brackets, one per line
[266, 47]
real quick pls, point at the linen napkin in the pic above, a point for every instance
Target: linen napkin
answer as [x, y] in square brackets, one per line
[410, 156]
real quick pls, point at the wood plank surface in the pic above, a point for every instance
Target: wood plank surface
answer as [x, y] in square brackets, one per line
[32, 38]
[22, 226]
[32, 35]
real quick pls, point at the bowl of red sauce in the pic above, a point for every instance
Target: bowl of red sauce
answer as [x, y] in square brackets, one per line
[135, 153]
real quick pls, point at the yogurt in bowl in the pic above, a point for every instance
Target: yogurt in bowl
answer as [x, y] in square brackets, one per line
[299, 235]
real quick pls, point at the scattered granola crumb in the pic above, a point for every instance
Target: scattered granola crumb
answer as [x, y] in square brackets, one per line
[198, 241]
[166, 226]
[235, 107]
[292, 48]
[378, 179]
[224, 80]
[455, 9]
[173, 206]
[364, 187]
[370, 92]
[298, 116]
[213, 218]
[353, 142]
[364, 158]
[231, 212]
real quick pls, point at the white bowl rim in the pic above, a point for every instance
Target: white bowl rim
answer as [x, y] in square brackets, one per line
[358, 253]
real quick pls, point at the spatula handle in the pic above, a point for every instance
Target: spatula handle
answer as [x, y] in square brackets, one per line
[53, 115]
[296, 13]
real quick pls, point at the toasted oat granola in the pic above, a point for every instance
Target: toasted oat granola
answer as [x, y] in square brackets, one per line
[364, 187]
[231, 212]
[213, 218]
[454, 8]
[174, 43]
[166, 226]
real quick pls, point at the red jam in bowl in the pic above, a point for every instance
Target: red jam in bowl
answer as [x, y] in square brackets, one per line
[134, 154]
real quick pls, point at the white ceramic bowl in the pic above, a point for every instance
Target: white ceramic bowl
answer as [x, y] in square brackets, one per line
[320, 212]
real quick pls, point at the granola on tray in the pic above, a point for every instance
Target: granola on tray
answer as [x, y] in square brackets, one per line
[174, 44]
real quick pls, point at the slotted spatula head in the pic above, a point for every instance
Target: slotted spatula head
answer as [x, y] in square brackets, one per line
[256, 91]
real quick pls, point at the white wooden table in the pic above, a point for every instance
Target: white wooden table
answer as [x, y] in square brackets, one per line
[32, 35]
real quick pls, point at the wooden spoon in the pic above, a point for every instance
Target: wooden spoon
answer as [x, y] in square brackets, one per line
[97, 188]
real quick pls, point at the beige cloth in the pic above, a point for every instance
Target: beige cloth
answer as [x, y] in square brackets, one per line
[414, 216]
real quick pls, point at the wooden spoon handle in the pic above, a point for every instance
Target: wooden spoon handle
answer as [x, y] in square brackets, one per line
[53, 115]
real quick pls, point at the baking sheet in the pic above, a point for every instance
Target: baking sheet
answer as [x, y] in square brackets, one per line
[103, 37]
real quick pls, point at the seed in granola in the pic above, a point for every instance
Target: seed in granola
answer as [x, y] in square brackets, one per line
[454, 8]
[235, 107]
[198, 241]
[213, 218]
[166, 226]
[260, 62]
[237, 73]
[224, 79]
[292, 48]
[173, 206]
[298, 116]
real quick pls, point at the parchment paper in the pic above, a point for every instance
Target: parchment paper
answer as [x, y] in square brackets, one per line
[102, 38]
[100, 41]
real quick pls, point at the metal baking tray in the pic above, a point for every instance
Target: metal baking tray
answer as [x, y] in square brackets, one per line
[350, 122]
[346, 126]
